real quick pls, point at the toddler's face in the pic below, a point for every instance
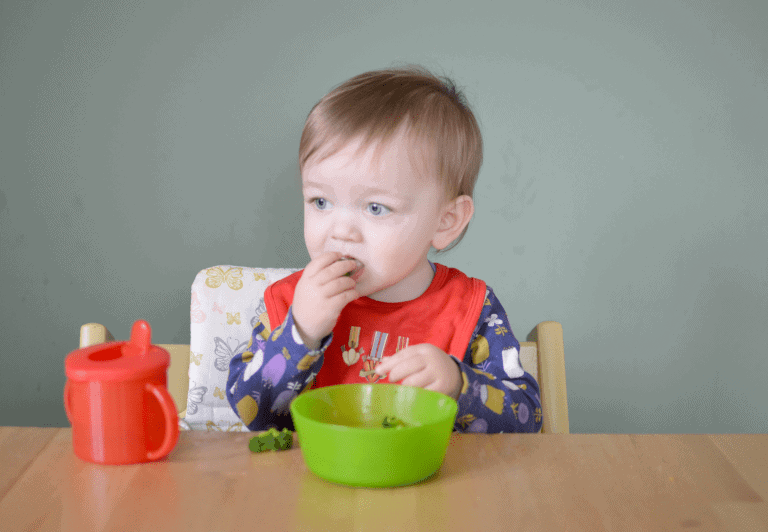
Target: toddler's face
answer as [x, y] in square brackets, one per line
[381, 212]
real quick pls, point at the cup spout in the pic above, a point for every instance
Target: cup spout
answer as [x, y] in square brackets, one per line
[141, 339]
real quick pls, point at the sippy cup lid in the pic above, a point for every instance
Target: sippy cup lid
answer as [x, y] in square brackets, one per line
[135, 359]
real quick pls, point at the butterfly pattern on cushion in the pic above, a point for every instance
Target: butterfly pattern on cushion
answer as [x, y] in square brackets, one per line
[232, 277]
[225, 350]
[227, 303]
[196, 312]
[195, 397]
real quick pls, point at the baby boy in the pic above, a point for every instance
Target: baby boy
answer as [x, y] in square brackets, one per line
[388, 161]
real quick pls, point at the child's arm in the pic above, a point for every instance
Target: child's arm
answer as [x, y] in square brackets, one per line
[270, 373]
[497, 395]
[276, 366]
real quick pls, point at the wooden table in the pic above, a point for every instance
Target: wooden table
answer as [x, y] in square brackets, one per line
[212, 482]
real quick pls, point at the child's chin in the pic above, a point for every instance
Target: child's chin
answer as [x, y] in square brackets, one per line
[377, 293]
[365, 290]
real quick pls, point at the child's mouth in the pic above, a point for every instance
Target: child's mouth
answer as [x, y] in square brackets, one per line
[357, 272]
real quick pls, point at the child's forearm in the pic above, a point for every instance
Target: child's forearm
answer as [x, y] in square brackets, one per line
[497, 395]
[268, 375]
[497, 405]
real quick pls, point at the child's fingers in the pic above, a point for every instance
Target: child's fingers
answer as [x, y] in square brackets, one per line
[337, 286]
[421, 379]
[324, 271]
[400, 367]
[384, 366]
[342, 299]
[323, 261]
[388, 363]
[339, 268]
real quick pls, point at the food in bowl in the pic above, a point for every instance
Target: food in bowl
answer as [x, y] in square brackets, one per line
[392, 422]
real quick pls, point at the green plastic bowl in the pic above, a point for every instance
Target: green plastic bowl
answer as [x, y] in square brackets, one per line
[343, 441]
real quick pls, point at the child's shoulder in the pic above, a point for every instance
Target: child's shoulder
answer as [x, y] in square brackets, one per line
[446, 274]
[453, 280]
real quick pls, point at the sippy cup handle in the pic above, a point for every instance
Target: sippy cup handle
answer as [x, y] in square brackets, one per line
[67, 408]
[171, 421]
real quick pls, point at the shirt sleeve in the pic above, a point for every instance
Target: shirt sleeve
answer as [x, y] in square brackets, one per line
[497, 395]
[273, 369]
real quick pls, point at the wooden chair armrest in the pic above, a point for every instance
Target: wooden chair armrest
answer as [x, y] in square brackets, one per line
[93, 334]
[554, 396]
[178, 375]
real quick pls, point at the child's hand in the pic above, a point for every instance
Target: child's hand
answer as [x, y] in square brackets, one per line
[322, 292]
[425, 366]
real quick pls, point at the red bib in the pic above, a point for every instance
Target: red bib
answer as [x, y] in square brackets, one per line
[445, 316]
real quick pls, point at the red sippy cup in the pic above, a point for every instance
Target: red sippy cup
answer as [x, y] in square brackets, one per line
[117, 400]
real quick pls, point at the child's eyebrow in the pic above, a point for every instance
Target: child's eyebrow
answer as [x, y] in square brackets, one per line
[377, 190]
[312, 184]
[365, 189]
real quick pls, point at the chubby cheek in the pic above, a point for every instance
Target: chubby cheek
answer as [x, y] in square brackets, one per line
[312, 235]
[388, 259]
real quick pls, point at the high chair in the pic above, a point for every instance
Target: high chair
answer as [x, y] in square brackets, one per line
[227, 301]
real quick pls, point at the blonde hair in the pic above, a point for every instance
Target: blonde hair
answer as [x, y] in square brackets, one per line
[376, 105]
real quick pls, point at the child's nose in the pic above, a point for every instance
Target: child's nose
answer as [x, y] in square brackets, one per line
[345, 227]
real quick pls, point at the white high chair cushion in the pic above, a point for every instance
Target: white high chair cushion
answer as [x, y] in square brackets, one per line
[226, 302]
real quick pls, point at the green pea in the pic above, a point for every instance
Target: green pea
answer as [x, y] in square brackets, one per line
[392, 422]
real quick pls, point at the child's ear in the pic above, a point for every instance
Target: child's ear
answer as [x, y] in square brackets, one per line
[456, 215]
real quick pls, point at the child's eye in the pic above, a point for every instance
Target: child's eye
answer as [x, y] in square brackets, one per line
[321, 203]
[377, 209]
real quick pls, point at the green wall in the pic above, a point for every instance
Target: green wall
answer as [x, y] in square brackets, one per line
[624, 191]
